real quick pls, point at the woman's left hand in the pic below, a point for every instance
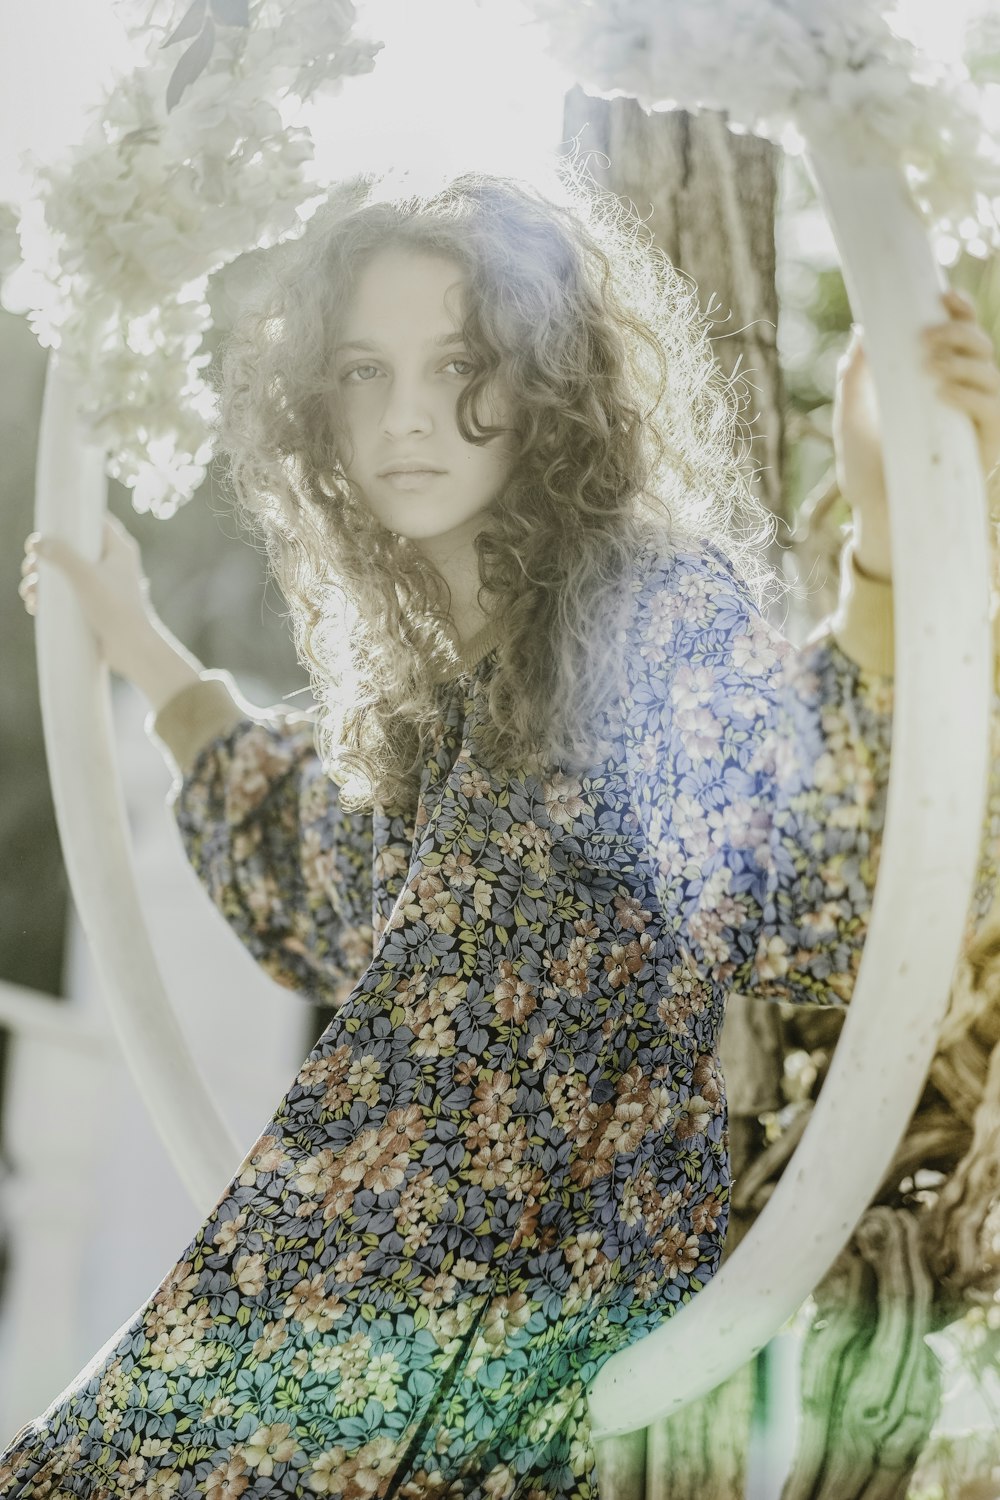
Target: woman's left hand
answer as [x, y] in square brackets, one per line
[960, 354]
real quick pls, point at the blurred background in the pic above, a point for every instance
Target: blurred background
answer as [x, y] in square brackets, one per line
[91, 1209]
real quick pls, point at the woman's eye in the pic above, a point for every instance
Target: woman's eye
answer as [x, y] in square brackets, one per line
[361, 373]
[468, 368]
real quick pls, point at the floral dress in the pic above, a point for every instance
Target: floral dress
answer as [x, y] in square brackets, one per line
[506, 1156]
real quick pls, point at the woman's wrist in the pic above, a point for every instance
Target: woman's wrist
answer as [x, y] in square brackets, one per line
[877, 569]
[160, 666]
[870, 550]
[863, 624]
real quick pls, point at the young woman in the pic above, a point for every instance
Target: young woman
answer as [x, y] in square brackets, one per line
[564, 790]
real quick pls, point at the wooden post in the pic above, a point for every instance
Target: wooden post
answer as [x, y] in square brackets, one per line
[708, 197]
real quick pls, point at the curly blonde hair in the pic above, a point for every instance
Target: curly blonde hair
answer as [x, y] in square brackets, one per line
[624, 430]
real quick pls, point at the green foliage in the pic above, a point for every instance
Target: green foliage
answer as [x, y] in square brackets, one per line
[195, 23]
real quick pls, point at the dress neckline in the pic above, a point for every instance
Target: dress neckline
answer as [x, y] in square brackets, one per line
[485, 640]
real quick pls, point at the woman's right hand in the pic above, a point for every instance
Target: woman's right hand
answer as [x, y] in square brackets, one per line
[113, 592]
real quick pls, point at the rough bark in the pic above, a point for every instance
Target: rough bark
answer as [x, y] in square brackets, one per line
[870, 1385]
[963, 1226]
[708, 197]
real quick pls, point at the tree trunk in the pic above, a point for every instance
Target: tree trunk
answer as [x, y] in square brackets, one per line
[708, 197]
[870, 1385]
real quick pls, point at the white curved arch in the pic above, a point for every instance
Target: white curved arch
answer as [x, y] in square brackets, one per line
[934, 818]
[70, 498]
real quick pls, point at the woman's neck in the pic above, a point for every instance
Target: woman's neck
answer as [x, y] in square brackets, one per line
[455, 559]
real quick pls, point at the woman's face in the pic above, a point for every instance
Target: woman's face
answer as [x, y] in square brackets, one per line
[400, 365]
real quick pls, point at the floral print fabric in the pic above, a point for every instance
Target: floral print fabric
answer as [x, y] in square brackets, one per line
[505, 1158]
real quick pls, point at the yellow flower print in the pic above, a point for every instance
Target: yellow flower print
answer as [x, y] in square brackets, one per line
[308, 1305]
[349, 1267]
[178, 1288]
[693, 1117]
[154, 1447]
[132, 1471]
[626, 959]
[513, 998]
[375, 1462]
[324, 1475]
[432, 1035]
[250, 1273]
[474, 783]
[363, 1078]
[538, 1052]
[317, 1174]
[435, 903]
[772, 957]
[390, 863]
[500, 1483]
[630, 913]
[677, 1251]
[706, 1214]
[458, 870]
[271, 1340]
[491, 1166]
[563, 801]
[162, 1485]
[267, 1156]
[470, 1270]
[449, 1327]
[228, 1232]
[204, 1357]
[629, 1209]
[494, 1097]
[383, 1376]
[645, 1285]
[583, 1250]
[436, 1290]
[422, 1198]
[349, 1359]
[268, 1445]
[229, 1480]
[506, 1315]
[317, 862]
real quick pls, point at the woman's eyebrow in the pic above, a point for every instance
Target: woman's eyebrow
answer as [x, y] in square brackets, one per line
[445, 341]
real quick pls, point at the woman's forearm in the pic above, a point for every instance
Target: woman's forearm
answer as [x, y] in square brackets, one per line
[160, 666]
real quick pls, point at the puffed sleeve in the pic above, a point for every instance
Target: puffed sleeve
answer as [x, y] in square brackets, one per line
[260, 821]
[759, 775]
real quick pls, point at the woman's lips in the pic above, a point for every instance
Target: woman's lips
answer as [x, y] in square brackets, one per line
[411, 479]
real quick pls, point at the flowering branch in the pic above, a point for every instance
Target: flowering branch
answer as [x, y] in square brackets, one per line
[185, 166]
[778, 67]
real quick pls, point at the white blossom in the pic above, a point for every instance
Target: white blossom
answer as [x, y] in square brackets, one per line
[118, 238]
[781, 70]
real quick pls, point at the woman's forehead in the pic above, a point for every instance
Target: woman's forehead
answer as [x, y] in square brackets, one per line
[404, 290]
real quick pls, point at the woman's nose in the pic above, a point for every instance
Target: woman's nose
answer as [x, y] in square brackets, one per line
[407, 409]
